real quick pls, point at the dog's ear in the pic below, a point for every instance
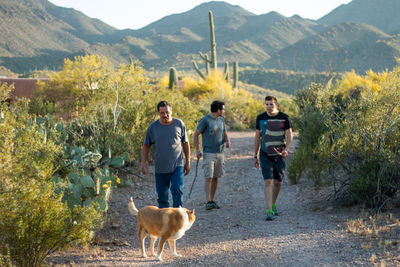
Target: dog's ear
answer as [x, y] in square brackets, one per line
[192, 212]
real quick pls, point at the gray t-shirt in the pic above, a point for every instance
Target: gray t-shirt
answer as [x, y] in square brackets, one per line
[212, 131]
[167, 141]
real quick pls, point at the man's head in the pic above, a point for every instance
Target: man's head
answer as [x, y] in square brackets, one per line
[271, 104]
[165, 112]
[218, 106]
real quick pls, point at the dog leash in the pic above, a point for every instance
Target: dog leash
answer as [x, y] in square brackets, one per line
[195, 176]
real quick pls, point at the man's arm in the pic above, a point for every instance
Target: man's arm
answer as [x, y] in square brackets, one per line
[257, 143]
[145, 153]
[196, 143]
[289, 140]
[226, 139]
[186, 151]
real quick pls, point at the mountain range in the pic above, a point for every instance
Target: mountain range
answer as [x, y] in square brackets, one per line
[360, 35]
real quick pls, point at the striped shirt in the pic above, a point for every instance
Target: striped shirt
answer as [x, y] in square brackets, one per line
[272, 130]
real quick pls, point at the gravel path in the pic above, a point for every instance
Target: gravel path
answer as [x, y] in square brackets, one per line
[308, 232]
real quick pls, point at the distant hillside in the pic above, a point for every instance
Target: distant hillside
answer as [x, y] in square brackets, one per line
[36, 34]
[287, 82]
[240, 35]
[342, 47]
[383, 14]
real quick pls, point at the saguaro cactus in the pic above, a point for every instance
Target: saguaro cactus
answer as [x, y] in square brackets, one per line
[213, 60]
[173, 78]
[213, 51]
[235, 74]
[226, 72]
[212, 42]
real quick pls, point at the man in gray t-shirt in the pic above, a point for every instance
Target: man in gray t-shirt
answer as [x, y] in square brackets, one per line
[170, 141]
[214, 137]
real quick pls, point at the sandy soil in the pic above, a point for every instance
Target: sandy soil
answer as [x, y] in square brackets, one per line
[308, 232]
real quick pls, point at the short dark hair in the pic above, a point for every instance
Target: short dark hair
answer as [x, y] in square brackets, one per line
[163, 104]
[271, 97]
[215, 105]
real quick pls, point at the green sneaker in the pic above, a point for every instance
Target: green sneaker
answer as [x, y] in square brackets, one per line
[270, 216]
[210, 205]
[275, 210]
[215, 205]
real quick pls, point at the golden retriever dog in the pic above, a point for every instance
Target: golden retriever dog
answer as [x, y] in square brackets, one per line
[165, 223]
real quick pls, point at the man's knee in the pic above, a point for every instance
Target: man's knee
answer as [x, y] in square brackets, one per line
[268, 182]
[277, 182]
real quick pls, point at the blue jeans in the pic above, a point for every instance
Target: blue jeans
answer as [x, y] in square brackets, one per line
[173, 181]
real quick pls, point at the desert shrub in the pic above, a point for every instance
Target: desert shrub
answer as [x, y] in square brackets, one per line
[74, 86]
[348, 133]
[33, 220]
[111, 107]
[41, 107]
[34, 223]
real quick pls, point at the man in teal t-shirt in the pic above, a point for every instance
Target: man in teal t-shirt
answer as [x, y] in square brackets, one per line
[214, 137]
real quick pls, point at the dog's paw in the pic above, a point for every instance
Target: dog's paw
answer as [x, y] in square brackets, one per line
[177, 255]
[144, 255]
[158, 257]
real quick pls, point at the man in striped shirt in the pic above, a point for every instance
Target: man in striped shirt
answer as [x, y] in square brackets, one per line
[274, 137]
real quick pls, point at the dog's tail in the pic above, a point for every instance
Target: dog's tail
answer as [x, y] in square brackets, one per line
[132, 208]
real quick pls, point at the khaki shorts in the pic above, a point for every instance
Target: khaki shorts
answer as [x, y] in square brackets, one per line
[213, 165]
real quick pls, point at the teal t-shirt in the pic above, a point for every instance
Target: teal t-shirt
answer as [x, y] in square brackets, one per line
[212, 131]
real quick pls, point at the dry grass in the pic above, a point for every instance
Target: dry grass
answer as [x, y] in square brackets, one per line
[381, 236]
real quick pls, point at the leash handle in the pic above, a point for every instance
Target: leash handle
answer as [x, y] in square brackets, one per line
[195, 176]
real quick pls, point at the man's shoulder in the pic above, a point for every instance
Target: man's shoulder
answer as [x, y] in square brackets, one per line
[154, 124]
[262, 115]
[283, 115]
[177, 121]
[205, 119]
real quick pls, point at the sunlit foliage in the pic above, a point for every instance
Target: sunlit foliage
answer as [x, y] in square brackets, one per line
[349, 136]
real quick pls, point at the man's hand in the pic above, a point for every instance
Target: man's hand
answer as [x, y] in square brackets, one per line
[228, 144]
[186, 168]
[256, 163]
[144, 167]
[284, 153]
[199, 154]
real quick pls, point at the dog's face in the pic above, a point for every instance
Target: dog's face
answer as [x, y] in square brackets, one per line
[191, 215]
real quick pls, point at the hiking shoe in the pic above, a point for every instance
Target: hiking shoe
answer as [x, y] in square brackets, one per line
[215, 205]
[275, 210]
[210, 205]
[270, 216]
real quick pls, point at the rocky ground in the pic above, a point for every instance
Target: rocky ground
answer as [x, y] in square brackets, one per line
[310, 231]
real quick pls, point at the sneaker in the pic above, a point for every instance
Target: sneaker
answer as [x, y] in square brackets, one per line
[275, 210]
[270, 216]
[210, 205]
[215, 205]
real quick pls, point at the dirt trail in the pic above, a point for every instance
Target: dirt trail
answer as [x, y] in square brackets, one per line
[308, 232]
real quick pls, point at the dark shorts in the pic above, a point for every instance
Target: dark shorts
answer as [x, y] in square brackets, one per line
[272, 167]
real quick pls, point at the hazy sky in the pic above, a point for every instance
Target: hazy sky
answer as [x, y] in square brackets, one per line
[135, 14]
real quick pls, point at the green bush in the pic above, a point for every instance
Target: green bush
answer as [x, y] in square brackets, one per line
[35, 223]
[110, 108]
[33, 220]
[349, 136]
[42, 107]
